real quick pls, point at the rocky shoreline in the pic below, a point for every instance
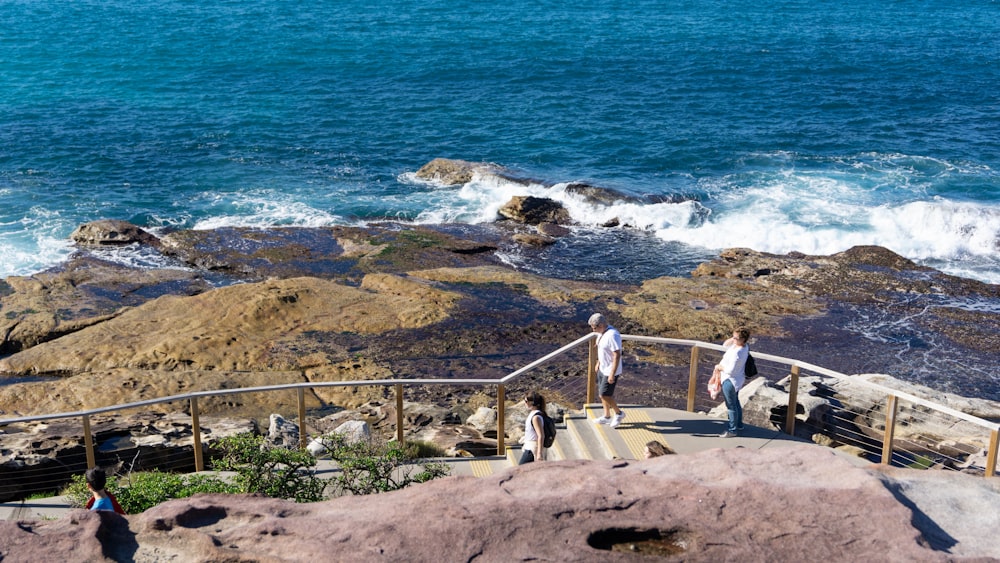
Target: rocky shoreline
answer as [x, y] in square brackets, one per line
[245, 307]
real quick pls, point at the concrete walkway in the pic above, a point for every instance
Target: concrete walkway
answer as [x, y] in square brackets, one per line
[578, 438]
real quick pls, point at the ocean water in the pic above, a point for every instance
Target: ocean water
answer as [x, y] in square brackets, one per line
[778, 125]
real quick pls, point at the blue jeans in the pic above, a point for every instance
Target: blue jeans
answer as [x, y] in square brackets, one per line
[732, 397]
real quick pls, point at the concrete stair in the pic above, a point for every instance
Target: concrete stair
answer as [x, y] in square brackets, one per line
[579, 438]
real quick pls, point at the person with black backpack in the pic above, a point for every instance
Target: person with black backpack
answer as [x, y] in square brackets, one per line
[539, 429]
[731, 373]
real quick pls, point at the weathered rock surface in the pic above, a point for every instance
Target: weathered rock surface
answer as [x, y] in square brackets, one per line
[453, 172]
[241, 327]
[781, 504]
[83, 292]
[111, 232]
[335, 252]
[532, 210]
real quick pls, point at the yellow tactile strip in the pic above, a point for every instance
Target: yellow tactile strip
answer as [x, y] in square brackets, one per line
[481, 467]
[636, 434]
[633, 430]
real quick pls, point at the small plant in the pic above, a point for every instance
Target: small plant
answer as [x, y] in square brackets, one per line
[376, 466]
[421, 449]
[272, 471]
[139, 491]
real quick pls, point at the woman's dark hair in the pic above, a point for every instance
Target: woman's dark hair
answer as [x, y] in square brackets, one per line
[96, 478]
[744, 333]
[657, 448]
[535, 400]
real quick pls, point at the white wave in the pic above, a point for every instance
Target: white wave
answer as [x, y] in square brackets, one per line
[21, 257]
[264, 211]
[480, 200]
[961, 238]
[814, 212]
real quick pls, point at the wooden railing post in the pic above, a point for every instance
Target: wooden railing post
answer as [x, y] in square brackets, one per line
[693, 378]
[501, 440]
[591, 372]
[891, 405]
[199, 462]
[991, 454]
[793, 402]
[399, 413]
[303, 436]
[88, 443]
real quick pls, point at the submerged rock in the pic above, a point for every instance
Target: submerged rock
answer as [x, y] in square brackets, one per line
[534, 210]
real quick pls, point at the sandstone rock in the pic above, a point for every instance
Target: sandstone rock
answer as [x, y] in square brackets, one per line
[707, 309]
[282, 433]
[355, 430]
[240, 327]
[111, 232]
[83, 292]
[603, 196]
[534, 210]
[531, 239]
[483, 419]
[553, 230]
[781, 504]
[452, 172]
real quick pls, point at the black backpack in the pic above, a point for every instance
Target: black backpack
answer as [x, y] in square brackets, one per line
[549, 428]
[750, 369]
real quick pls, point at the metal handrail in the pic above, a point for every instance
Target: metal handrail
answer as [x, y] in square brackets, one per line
[892, 395]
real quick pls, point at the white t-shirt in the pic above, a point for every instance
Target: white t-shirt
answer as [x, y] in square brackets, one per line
[530, 436]
[733, 363]
[608, 343]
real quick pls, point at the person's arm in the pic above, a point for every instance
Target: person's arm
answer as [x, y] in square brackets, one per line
[728, 363]
[536, 423]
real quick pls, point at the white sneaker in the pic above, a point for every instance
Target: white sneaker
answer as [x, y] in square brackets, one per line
[617, 419]
[602, 420]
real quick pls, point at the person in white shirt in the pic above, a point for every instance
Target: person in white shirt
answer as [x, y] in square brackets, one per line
[730, 371]
[609, 368]
[533, 449]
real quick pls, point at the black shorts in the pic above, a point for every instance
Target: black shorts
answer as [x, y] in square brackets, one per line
[605, 389]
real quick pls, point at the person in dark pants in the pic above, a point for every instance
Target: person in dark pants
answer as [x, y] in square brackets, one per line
[730, 371]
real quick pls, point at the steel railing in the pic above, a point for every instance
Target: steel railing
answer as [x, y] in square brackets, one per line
[702, 356]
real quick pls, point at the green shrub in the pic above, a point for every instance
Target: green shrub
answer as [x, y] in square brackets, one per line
[137, 492]
[376, 466]
[275, 472]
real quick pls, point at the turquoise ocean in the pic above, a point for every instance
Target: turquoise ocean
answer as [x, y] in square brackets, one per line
[779, 125]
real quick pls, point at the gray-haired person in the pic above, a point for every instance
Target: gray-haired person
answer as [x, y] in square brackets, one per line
[609, 368]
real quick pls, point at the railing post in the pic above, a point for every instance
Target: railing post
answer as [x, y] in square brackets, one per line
[303, 437]
[399, 413]
[199, 462]
[88, 443]
[793, 402]
[501, 441]
[693, 378]
[891, 405]
[591, 372]
[991, 454]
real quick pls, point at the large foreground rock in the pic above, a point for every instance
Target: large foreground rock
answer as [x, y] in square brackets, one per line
[781, 504]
